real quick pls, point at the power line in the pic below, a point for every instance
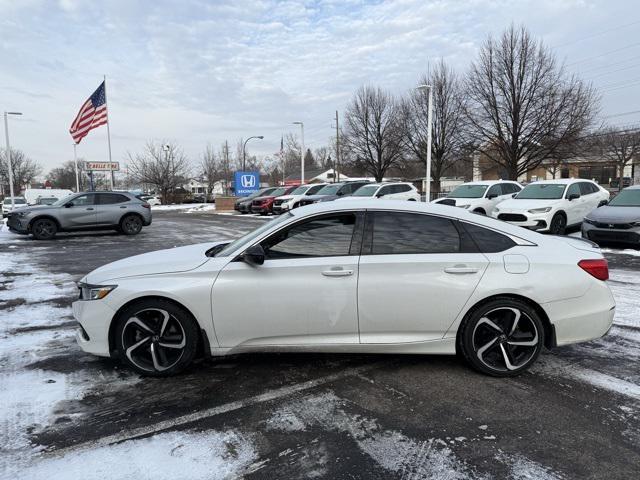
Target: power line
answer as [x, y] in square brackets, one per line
[603, 32]
[622, 114]
[620, 87]
[623, 62]
[626, 47]
[614, 71]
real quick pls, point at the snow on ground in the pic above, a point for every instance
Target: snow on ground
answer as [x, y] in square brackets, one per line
[187, 207]
[625, 285]
[185, 455]
[626, 251]
[5, 235]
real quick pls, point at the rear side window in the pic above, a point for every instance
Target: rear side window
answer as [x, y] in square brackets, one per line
[396, 233]
[487, 240]
[495, 190]
[313, 190]
[402, 188]
[587, 188]
[111, 198]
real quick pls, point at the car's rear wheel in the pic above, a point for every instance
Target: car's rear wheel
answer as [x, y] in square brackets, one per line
[131, 224]
[156, 337]
[558, 224]
[44, 229]
[502, 338]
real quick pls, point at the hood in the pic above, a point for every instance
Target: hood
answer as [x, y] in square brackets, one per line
[526, 204]
[459, 201]
[286, 198]
[609, 214]
[180, 259]
[328, 198]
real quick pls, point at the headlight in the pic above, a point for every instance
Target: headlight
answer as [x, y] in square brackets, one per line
[463, 206]
[94, 292]
[540, 210]
[589, 221]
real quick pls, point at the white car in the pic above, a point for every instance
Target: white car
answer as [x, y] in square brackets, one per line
[552, 205]
[481, 197]
[152, 200]
[18, 202]
[386, 191]
[291, 201]
[383, 277]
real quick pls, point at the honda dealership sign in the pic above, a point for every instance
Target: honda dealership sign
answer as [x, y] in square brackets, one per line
[246, 183]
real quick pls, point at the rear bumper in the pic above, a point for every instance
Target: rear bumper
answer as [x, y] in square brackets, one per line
[584, 318]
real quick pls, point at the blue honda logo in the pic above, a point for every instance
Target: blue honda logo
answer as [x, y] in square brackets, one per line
[248, 181]
[245, 183]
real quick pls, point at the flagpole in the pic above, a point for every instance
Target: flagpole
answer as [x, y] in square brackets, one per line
[106, 103]
[75, 162]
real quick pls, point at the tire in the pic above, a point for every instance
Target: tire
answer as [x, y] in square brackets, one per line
[501, 338]
[44, 229]
[148, 345]
[131, 224]
[558, 224]
[480, 211]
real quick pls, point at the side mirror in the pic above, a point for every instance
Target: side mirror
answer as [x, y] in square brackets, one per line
[379, 195]
[254, 255]
[340, 193]
[491, 196]
[573, 196]
[603, 203]
[68, 205]
[514, 195]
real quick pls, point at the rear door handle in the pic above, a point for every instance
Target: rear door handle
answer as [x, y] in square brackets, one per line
[461, 270]
[337, 273]
[90, 208]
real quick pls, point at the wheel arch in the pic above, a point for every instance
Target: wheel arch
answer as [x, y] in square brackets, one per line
[114, 319]
[128, 214]
[48, 217]
[549, 330]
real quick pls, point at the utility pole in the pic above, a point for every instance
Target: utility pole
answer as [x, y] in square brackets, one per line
[337, 163]
[75, 162]
[427, 186]
[9, 166]
[226, 163]
[302, 152]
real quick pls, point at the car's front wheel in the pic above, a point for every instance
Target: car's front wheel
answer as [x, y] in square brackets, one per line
[502, 338]
[558, 224]
[156, 337]
[44, 229]
[131, 224]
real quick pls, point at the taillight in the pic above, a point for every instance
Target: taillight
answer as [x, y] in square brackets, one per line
[146, 205]
[597, 268]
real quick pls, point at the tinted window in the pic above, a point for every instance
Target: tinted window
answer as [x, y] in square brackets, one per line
[407, 233]
[587, 188]
[509, 188]
[468, 191]
[84, 200]
[111, 198]
[315, 189]
[386, 190]
[402, 188]
[487, 240]
[495, 190]
[574, 189]
[327, 236]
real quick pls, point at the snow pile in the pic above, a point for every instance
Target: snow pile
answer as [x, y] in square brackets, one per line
[183, 455]
[188, 207]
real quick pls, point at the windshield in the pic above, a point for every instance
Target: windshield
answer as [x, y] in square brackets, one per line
[16, 201]
[329, 189]
[366, 191]
[277, 192]
[251, 236]
[62, 201]
[468, 191]
[300, 190]
[542, 191]
[47, 201]
[627, 198]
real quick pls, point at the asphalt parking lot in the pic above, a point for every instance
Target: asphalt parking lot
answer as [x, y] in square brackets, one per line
[576, 414]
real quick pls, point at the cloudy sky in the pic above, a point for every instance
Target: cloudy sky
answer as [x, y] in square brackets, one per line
[198, 72]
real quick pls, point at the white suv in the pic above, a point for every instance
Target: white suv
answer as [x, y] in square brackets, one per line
[552, 205]
[481, 197]
[291, 201]
[18, 202]
[387, 191]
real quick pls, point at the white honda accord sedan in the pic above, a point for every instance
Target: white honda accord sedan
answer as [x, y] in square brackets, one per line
[352, 277]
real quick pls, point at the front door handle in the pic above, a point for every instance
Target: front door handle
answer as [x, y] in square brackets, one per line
[90, 208]
[461, 269]
[337, 273]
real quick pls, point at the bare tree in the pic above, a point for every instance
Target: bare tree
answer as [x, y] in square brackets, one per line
[65, 176]
[621, 147]
[449, 127]
[210, 166]
[523, 108]
[162, 165]
[24, 169]
[373, 131]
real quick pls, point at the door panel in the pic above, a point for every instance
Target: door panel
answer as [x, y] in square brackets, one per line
[287, 302]
[81, 215]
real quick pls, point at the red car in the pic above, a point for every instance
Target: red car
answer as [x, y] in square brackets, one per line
[264, 205]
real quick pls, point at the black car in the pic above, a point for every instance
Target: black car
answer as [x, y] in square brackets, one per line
[334, 190]
[243, 205]
[615, 183]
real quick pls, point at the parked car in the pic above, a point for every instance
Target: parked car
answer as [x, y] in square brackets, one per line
[31, 195]
[332, 191]
[291, 201]
[46, 200]
[618, 221]
[615, 183]
[243, 204]
[83, 211]
[389, 277]
[8, 206]
[386, 191]
[152, 200]
[481, 197]
[264, 203]
[552, 205]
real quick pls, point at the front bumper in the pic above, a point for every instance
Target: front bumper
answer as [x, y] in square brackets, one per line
[533, 221]
[94, 316]
[283, 207]
[612, 235]
[261, 209]
[18, 224]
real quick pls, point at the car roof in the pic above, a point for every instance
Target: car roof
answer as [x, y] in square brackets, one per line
[487, 182]
[562, 181]
[632, 187]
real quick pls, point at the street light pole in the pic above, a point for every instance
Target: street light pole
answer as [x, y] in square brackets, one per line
[302, 151]
[9, 166]
[427, 196]
[75, 162]
[244, 149]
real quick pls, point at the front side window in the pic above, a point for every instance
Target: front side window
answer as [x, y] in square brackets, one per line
[326, 236]
[366, 191]
[542, 191]
[574, 189]
[251, 236]
[329, 189]
[495, 190]
[387, 190]
[300, 190]
[468, 191]
[83, 200]
[315, 189]
[398, 233]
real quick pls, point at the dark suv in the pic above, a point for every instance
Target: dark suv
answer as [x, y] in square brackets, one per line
[243, 204]
[332, 191]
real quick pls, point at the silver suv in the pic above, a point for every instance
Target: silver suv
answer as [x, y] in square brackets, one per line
[83, 211]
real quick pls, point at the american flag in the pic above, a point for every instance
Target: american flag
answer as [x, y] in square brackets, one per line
[92, 114]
